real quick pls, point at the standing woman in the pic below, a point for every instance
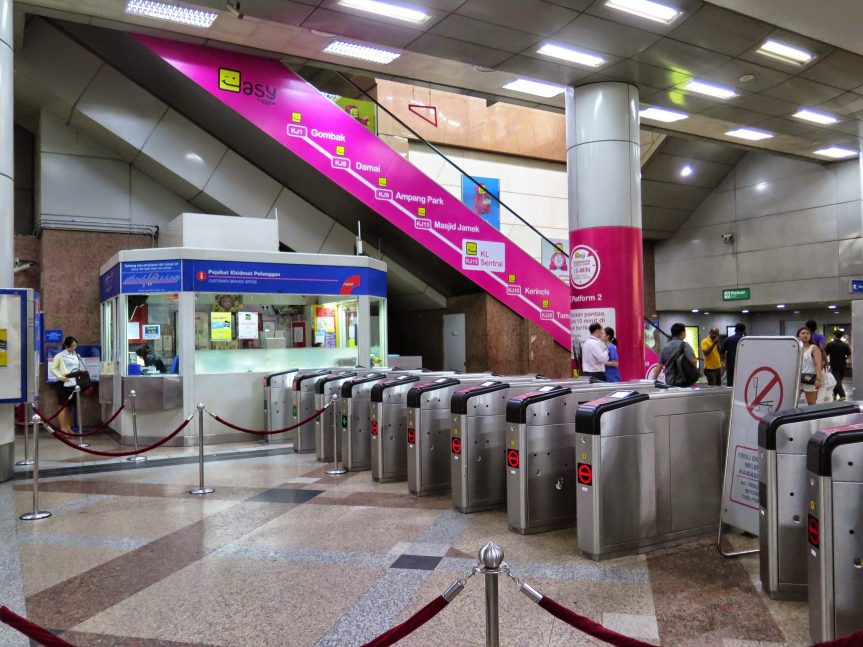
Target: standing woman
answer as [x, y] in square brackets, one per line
[612, 366]
[810, 372]
[65, 362]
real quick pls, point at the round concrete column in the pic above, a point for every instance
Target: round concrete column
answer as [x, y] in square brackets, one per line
[606, 273]
[7, 217]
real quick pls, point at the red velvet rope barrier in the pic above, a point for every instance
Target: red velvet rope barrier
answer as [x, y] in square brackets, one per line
[92, 432]
[588, 626]
[410, 625]
[31, 630]
[851, 640]
[269, 433]
[96, 452]
[58, 411]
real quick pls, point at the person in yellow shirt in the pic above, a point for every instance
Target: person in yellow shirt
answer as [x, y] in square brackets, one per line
[712, 361]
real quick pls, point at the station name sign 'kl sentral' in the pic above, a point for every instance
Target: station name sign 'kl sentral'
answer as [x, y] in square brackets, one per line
[322, 134]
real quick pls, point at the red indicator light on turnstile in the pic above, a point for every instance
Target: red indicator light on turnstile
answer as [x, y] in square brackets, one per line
[585, 474]
[412, 435]
[456, 445]
[512, 458]
[814, 531]
[374, 427]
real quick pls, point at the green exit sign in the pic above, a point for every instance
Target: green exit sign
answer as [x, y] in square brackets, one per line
[735, 294]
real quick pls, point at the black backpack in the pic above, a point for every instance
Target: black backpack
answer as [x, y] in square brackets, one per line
[683, 373]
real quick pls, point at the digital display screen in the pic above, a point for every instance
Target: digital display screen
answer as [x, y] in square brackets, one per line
[617, 395]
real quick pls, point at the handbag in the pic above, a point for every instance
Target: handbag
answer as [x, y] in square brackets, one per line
[807, 378]
[82, 377]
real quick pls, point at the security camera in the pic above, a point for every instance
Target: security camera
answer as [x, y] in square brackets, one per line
[728, 238]
[234, 7]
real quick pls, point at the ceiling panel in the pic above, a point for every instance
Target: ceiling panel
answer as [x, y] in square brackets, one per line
[803, 92]
[784, 126]
[840, 69]
[483, 33]
[280, 11]
[644, 74]
[847, 105]
[370, 31]
[677, 100]
[662, 218]
[592, 33]
[575, 5]
[733, 114]
[532, 16]
[674, 55]
[459, 50]
[667, 168]
[672, 195]
[764, 104]
[701, 149]
[730, 74]
[738, 32]
[546, 70]
[687, 7]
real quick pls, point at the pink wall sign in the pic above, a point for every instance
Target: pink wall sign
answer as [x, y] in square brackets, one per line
[312, 127]
[605, 274]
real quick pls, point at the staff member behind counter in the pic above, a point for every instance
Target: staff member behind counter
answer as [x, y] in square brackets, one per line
[146, 353]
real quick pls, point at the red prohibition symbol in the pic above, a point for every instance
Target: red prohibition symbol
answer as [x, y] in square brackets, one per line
[456, 445]
[374, 427]
[512, 458]
[585, 474]
[412, 436]
[814, 531]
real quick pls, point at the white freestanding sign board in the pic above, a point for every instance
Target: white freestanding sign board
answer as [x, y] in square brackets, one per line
[766, 379]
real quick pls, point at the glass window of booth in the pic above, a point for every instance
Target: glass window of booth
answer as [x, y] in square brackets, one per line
[151, 334]
[379, 331]
[251, 332]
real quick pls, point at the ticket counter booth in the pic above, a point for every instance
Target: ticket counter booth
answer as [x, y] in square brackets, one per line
[188, 324]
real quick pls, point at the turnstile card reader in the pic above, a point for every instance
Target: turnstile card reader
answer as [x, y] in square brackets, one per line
[302, 407]
[388, 427]
[834, 531]
[325, 387]
[353, 418]
[782, 440]
[277, 404]
[649, 468]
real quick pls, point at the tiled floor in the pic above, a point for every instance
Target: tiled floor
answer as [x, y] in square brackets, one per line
[282, 554]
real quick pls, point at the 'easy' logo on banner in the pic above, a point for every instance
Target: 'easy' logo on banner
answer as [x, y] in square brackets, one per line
[232, 81]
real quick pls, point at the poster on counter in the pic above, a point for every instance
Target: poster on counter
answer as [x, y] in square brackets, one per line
[151, 331]
[247, 325]
[482, 199]
[220, 326]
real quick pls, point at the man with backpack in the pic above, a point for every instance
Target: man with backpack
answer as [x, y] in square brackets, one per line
[678, 360]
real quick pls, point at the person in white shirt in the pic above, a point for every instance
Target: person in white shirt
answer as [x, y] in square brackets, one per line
[65, 362]
[594, 354]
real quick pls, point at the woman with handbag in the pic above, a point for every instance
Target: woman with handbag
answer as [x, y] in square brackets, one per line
[64, 367]
[810, 371]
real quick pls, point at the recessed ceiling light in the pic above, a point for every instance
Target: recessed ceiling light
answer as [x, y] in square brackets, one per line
[571, 55]
[832, 306]
[746, 312]
[707, 313]
[686, 171]
[646, 9]
[748, 133]
[762, 186]
[797, 312]
[785, 53]
[537, 88]
[660, 114]
[836, 152]
[387, 10]
[781, 306]
[710, 90]
[746, 78]
[815, 117]
[171, 13]
[362, 52]
[695, 310]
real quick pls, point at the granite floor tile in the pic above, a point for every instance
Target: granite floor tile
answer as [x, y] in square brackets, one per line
[81, 639]
[383, 500]
[643, 627]
[416, 562]
[46, 565]
[11, 578]
[138, 489]
[284, 495]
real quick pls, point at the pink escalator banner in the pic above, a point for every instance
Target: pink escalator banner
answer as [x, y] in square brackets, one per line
[605, 272]
[295, 114]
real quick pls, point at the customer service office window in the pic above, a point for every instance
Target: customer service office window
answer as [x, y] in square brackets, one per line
[272, 332]
[151, 334]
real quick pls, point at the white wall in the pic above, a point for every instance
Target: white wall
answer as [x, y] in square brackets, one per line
[797, 237]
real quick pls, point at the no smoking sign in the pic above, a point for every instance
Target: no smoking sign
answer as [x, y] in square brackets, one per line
[763, 393]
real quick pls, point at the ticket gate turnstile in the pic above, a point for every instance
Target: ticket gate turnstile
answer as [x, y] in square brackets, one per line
[302, 407]
[428, 430]
[325, 387]
[782, 439]
[478, 443]
[649, 468]
[354, 411]
[277, 404]
[834, 529]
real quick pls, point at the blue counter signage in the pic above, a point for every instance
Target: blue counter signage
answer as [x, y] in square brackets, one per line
[149, 277]
[275, 278]
[54, 336]
[109, 284]
[855, 286]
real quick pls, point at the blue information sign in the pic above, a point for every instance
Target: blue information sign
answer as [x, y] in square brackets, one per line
[54, 336]
[855, 286]
[149, 277]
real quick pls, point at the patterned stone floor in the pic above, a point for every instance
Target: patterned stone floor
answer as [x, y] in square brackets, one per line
[282, 554]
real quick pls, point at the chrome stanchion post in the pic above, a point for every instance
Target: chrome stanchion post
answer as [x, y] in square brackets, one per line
[26, 460]
[491, 559]
[335, 470]
[137, 457]
[37, 513]
[201, 489]
[81, 442]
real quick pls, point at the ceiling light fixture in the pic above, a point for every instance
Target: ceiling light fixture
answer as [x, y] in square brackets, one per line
[695, 310]
[387, 10]
[836, 152]
[646, 9]
[746, 312]
[832, 306]
[660, 114]
[781, 306]
[750, 134]
[171, 13]
[571, 55]
[785, 53]
[537, 88]
[710, 90]
[815, 117]
[686, 171]
[362, 52]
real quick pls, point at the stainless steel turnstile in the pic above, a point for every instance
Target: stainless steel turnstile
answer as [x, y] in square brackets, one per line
[303, 406]
[388, 417]
[539, 459]
[354, 410]
[478, 442]
[782, 440]
[428, 430]
[649, 468]
[277, 404]
[325, 387]
[834, 528]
